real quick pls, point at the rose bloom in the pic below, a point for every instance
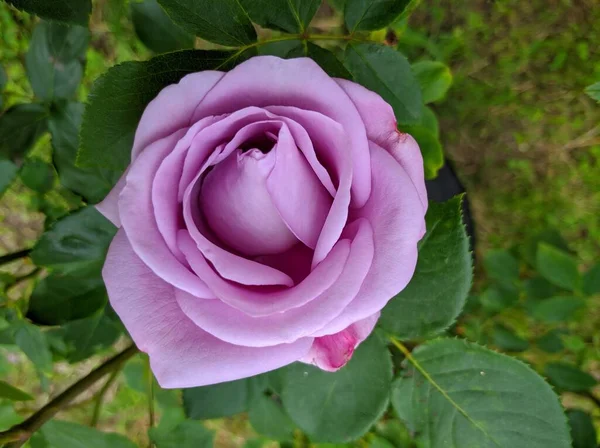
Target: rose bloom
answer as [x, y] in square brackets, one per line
[267, 216]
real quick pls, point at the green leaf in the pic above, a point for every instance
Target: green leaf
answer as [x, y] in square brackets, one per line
[583, 432]
[3, 81]
[291, 16]
[507, 340]
[430, 121]
[223, 22]
[369, 15]
[219, 400]
[459, 394]
[569, 377]
[268, 418]
[380, 442]
[55, 58]
[591, 279]
[33, 343]
[431, 149]
[12, 393]
[20, 127]
[558, 267]
[539, 288]
[70, 11]
[61, 434]
[434, 78]
[501, 266]
[558, 309]
[387, 72]
[188, 433]
[8, 172]
[155, 28]
[551, 342]
[76, 242]
[341, 406]
[37, 175]
[62, 298]
[119, 97]
[86, 337]
[92, 183]
[594, 91]
[550, 236]
[395, 432]
[438, 290]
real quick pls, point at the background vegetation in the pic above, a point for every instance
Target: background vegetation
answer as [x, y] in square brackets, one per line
[520, 132]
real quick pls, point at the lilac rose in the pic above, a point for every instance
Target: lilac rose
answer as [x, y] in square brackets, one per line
[267, 216]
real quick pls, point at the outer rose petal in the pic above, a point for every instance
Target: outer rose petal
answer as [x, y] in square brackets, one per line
[181, 354]
[236, 327]
[382, 129]
[138, 220]
[333, 351]
[109, 206]
[272, 81]
[172, 109]
[397, 216]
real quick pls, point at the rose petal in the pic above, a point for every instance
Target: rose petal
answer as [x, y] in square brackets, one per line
[263, 301]
[165, 187]
[236, 327]
[236, 204]
[382, 129]
[268, 80]
[301, 200]
[173, 108]
[397, 216]
[181, 354]
[332, 142]
[332, 352]
[109, 206]
[138, 220]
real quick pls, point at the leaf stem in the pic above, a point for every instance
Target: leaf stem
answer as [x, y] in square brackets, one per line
[19, 434]
[99, 400]
[5, 259]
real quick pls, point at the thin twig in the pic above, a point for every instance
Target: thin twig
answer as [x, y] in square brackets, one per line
[4, 259]
[151, 416]
[99, 399]
[19, 434]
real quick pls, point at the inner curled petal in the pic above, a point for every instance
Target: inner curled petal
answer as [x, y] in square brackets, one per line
[238, 207]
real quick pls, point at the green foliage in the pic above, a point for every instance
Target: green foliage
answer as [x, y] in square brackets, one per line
[591, 281]
[8, 171]
[223, 22]
[220, 400]
[156, 30]
[186, 434]
[583, 432]
[340, 407]
[33, 343]
[76, 243]
[558, 267]
[388, 73]
[594, 91]
[120, 96]
[12, 393]
[558, 309]
[366, 15]
[71, 11]
[454, 393]
[37, 175]
[55, 60]
[61, 434]
[291, 16]
[268, 418]
[92, 183]
[20, 127]
[434, 78]
[438, 290]
[507, 340]
[568, 377]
